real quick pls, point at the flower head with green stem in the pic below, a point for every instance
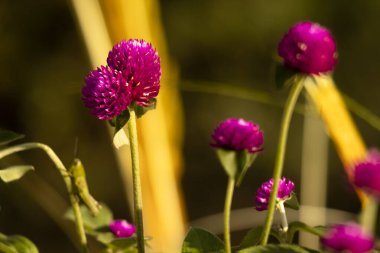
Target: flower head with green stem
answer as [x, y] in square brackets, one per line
[285, 192]
[306, 49]
[237, 141]
[366, 176]
[120, 92]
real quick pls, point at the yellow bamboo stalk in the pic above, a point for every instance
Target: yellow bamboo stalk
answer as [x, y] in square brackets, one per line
[339, 124]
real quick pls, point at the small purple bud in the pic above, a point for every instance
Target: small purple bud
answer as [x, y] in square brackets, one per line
[106, 93]
[285, 190]
[350, 238]
[140, 65]
[122, 229]
[309, 48]
[366, 174]
[238, 134]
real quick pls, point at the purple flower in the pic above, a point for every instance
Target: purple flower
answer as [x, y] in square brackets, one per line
[238, 134]
[366, 174]
[140, 66]
[285, 190]
[309, 48]
[106, 93]
[350, 238]
[122, 229]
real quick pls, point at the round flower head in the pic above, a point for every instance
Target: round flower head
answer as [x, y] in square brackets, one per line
[285, 190]
[309, 48]
[122, 229]
[106, 93]
[366, 174]
[140, 65]
[350, 238]
[238, 134]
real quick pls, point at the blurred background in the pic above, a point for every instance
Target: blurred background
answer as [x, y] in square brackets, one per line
[215, 46]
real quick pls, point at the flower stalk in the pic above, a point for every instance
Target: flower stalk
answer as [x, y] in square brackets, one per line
[287, 115]
[368, 215]
[227, 214]
[66, 178]
[137, 195]
[284, 220]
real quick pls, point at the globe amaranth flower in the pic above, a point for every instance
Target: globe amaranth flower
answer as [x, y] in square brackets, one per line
[350, 238]
[366, 174]
[122, 229]
[285, 190]
[139, 64]
[238, 134]
[309, 48]
[106, 93]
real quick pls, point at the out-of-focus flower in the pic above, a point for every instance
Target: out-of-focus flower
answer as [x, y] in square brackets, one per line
[350, 238]
[309, 48]
[238, 134]
[106, 93]
[285, 190]
[366, 173]
[122, 229]
[140, 66]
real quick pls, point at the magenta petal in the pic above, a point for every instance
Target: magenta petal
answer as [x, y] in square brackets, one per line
[106, 93]
[309, 48]
[366, 174]
[238, 134]
[122, 229]
[285, 190]
[349, 238]
[140, 66]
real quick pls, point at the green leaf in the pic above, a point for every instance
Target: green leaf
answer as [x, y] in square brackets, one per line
[270, 248]
[16, 244]
[124, 243]
[245, 160]
[199, 240]
[297, 226]
[14, 172]
[235, 163]
[91, 222]
[283, 76]
[292, 202]
[119, 121]
[7, 136]
[104, 237]
[141, 110]
[252, 238]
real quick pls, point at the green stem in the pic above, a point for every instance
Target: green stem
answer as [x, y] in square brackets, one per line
[227, 213]
[137, 196]
[287, 115]
[284, 220]
[66, 178]
[368, 215]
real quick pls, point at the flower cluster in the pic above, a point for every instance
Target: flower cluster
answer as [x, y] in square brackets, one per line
[133, 75]
[309, 48]
[238, 134]
[348, 237]
[122, 229]
[285, 190]
[366, 173]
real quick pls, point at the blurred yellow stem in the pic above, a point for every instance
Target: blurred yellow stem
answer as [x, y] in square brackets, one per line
[338, 122]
